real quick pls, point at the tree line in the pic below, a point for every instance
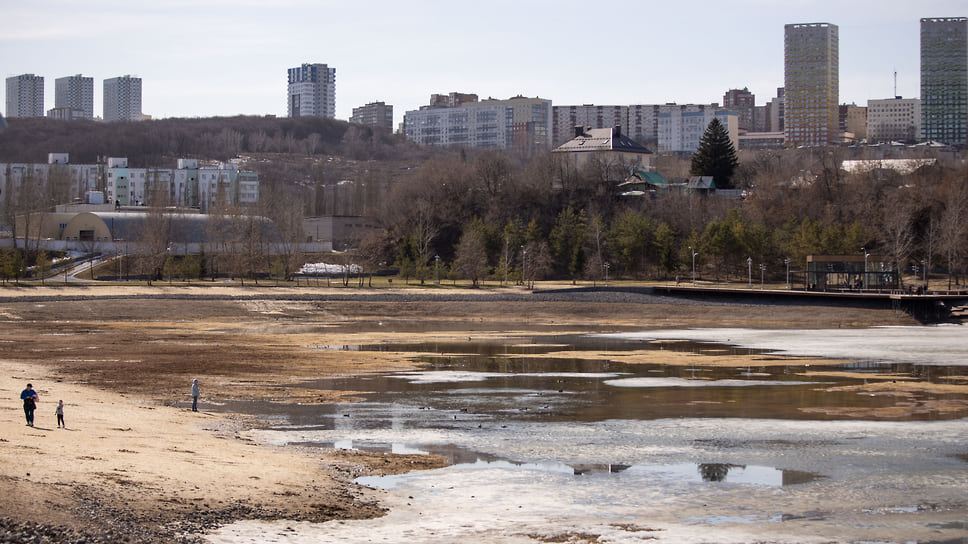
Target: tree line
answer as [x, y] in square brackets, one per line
[496, 216]
[157, 142]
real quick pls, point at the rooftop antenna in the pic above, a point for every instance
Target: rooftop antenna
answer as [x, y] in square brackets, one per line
[895, 84]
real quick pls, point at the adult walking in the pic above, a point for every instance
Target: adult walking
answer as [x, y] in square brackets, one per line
[30, 398]
[195, 393]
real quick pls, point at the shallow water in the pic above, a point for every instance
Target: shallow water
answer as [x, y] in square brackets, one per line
[551, 449]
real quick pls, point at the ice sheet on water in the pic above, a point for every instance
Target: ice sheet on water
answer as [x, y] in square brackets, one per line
[871, 467]
[455, 376]
[938, 344]
[683, 382]
[661, 497]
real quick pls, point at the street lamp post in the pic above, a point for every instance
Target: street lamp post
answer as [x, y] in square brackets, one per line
[924, 266]
[866, 256]
[787, 261]
[524, 264]
[694, 253]
[606, 274]
[762, 273]
[436, 269]
[749, 272]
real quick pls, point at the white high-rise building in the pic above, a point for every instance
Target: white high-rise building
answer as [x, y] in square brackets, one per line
[312, 91]
[75, 93]
[893, 119]
[122, 99]
[25, 96]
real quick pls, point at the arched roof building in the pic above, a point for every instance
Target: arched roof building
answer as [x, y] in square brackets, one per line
[180, 229]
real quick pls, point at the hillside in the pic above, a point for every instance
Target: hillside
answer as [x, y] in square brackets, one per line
[214, 138]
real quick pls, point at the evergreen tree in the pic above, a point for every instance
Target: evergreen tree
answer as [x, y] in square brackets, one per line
[716, 156]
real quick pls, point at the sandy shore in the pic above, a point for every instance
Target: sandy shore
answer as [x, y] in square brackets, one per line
[136, 460]
[118, 450]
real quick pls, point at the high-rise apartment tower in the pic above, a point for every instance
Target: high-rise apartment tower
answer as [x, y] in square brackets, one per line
[944, 80]
[25, 96]
[122, 98]
[75, 93]
[811, 82]
[312, 91]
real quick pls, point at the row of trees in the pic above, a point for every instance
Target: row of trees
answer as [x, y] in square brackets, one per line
[491, 217]
[218, 138]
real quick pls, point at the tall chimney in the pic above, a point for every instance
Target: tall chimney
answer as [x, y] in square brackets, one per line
[617, 132]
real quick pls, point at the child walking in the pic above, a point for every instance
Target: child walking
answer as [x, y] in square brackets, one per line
[59, 412]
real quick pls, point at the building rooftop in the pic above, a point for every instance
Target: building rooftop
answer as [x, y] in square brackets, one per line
[601, 139]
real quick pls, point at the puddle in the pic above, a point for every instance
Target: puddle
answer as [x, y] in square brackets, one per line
[585, 445]
[465, 459]
[698, 473]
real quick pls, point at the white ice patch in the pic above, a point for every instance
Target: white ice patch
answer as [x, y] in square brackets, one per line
[682, 382]
[939, 344]
[453, 376]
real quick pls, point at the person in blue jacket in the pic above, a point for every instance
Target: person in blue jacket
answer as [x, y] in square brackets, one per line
[30, 398]
[195, 393]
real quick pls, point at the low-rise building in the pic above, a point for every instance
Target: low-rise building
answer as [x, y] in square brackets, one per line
[761, 140]
[893, 119]
[617, 153]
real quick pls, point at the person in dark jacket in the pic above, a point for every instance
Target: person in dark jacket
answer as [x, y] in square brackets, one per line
[30, 398]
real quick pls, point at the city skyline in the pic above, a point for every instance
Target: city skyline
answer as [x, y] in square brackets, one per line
[220, 58]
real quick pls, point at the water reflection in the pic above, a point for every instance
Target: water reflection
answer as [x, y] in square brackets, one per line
[464, 459]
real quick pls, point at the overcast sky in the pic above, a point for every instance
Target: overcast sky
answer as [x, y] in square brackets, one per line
[203, 58]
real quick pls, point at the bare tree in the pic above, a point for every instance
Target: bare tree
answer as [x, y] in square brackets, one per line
[897, 232]
[154, 242]
[953, 231]
[284, 206]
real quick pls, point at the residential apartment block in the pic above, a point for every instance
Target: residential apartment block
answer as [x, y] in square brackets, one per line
[25, 96]
[656, 126]
[811, 84]
[374, 114]
[680, 129]
[743, 102]
[893, 119]
[944, 80]
[519, 123]
[312, 91]
[122, 99]
[73, 97]
[187, 185]
[853, 122]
